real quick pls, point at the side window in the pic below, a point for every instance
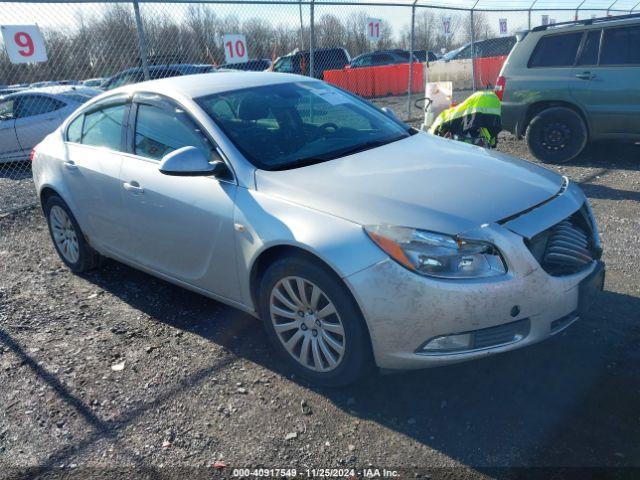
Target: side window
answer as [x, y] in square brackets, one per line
[465, 53]
[589, 53]
[364, 61]
[160, 131]
[103, 128]
[284, 65]
[620, 46]
[556, 50]
[382, 59]
[31, 105]
[6, 110]
[74, 130]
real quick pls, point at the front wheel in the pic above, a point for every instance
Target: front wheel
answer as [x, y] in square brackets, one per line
[314, 323]
[556, 135]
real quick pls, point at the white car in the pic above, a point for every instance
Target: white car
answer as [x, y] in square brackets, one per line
[356, 239]
[27, 116]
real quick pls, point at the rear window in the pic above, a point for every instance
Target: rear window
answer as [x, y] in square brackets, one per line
[620, 46]
[556, 50]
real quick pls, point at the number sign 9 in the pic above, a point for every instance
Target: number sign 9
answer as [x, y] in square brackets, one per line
[235, 49]
[24, 43]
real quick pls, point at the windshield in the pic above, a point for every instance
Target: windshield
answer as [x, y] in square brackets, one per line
[294, 124]
[450, 55]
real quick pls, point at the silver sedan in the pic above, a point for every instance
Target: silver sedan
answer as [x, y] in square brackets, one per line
[358, 240]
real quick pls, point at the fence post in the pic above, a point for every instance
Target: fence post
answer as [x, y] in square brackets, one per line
[142, 44]
[412, 48]
[578, 10]
[473, 51]
[531, 8]
[301, 27]
[312, 39]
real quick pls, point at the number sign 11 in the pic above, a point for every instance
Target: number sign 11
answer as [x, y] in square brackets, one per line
[373, 29]
[24, 43]
[235, 49]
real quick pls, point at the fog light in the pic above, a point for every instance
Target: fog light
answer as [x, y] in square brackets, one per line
[449, 343]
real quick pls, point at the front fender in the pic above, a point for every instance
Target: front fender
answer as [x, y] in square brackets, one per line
[263, 222]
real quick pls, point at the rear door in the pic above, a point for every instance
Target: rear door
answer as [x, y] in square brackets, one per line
[37, 116]
[607, 81]
[551, 67]
[95, 142]
[9, 147]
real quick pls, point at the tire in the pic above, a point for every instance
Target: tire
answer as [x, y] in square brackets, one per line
[556, 135]
[356, 358]
[64, 230]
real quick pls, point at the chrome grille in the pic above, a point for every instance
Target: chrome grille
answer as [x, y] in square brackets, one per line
[567, 247]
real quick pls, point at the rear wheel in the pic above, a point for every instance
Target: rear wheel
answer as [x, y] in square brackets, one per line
[556, 135]
[67, 237]
[314, 323]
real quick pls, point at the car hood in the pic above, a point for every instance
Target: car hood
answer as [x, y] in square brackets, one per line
[422, 181]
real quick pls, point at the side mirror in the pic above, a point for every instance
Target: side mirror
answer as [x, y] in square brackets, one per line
[389, 113]
[190, 162]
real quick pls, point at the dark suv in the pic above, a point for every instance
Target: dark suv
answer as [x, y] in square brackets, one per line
[323, 59]
[567, 84]
[136, 74]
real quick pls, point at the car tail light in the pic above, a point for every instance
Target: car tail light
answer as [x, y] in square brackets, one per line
[501, 83]
[32, 154]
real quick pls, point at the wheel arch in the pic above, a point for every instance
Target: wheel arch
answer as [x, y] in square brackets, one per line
[537, 107]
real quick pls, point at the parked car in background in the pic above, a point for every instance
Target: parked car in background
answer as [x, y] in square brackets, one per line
[492, 47]
[255, 65]
[568, 84]
[93, 82]
[381, 57]
[136, 74]
[324, 59]
[44, 84]
[10, 89]
[358, 240]
[26, 117]
[425, 56]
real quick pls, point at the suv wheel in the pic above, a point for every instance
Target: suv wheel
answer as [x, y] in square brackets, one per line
[556, 135]
[314, 323]
[67, 237]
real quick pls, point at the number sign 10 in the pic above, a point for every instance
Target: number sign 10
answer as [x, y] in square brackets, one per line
[235, 49]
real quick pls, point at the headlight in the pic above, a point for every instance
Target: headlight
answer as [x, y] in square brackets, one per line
[438, 255]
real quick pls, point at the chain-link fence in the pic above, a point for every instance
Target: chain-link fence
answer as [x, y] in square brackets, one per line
[385, 52]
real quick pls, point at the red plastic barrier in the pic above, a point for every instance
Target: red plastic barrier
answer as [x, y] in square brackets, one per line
[377, 81]
[487, 70]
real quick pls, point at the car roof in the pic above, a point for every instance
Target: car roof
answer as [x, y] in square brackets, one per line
[54, 90]
[202, 84]
[592, 23]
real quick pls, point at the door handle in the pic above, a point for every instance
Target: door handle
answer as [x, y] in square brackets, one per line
[585, 76]
[70, 165]
[133, 186]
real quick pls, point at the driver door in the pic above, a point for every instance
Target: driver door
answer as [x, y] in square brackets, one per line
[181, 226]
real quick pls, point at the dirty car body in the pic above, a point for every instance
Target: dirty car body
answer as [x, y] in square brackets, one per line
[449, 252]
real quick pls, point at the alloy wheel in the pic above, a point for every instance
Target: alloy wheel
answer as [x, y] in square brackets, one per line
[307, 324]
[64, 234]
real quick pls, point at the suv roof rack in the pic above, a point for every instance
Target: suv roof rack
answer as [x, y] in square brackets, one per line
[589, 21]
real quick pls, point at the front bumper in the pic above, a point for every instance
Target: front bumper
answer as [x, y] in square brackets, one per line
[403, 310]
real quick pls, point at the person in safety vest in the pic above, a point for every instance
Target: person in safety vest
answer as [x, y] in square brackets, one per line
[477, 120]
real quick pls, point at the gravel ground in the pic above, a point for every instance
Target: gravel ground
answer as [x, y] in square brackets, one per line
[118, 374]
[16, 186]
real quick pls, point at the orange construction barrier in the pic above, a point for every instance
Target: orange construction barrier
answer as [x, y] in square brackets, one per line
[377, 81]
[487, 71]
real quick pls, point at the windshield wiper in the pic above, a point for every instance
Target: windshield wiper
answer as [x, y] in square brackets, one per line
[361, 147]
